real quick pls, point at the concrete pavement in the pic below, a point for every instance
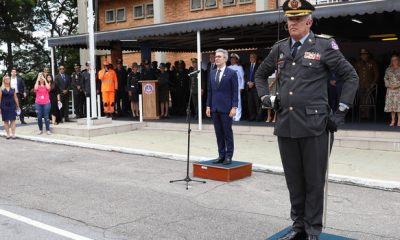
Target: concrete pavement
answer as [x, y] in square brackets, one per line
[108, 196]
[374, 168]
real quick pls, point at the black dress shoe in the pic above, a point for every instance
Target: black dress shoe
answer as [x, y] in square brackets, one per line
[219, 160]
[227, 161]
[313, 237]
[23, 122]
[293, 235]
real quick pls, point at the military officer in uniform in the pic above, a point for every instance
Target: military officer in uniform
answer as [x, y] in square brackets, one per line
[304, 62]
[134, 90]
[182, 88]
[368, 72]
[78, 90]
[194, 83]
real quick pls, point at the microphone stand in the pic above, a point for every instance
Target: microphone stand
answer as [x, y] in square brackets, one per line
[187, 179]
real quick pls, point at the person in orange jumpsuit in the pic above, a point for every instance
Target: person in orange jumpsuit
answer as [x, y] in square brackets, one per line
[109, 84]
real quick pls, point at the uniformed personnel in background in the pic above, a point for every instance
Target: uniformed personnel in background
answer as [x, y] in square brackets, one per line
[181, 85]
[134, 89]
[368, 72]
[121, 96]
[305, 61]
[78, 90]
[194, 81]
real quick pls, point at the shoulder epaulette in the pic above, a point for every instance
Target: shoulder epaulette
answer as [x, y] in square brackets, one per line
[322, 36]
[282, 40]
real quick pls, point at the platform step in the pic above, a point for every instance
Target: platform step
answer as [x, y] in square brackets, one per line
[323, 236]
[98, 121]
[219, 172]
[114, 127]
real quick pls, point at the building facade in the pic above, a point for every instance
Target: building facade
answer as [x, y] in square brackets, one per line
[113, 15]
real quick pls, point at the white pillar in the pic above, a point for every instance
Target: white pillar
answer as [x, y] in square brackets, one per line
[199, 110]
[158, 6]
[83, 28]
[98, 106]
[140, 108]
[88, 112]
[261, 5]
[53, 67]
[92, 66]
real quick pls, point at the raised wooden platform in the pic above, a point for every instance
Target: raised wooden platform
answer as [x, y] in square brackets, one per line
[323, 236]
[220, 172]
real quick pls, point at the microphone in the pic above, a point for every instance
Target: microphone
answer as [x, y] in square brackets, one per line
[193, 73]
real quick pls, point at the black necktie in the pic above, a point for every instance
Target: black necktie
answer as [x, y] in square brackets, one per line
[251, 72]
[295, 47]
[217, 77]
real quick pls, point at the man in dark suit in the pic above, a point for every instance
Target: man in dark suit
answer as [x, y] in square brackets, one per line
[121, 95]
[304, 119]
[18, 83]
[222, 103]
[253, 101]
[64, 83]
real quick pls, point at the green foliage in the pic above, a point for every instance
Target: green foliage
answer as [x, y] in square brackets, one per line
[19, 19]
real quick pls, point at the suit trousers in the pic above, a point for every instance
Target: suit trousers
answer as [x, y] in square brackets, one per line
[253, 103]
[20, 101]
[79, 103]
[304, 162]
[223, 131]
[65, 106]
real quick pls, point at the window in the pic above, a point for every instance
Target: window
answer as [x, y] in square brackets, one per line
[138, 12]
[149, 10]
[228, 3]
[210, 3]
[196, 5]
[110, 16]
[121, 14]
[245, 1]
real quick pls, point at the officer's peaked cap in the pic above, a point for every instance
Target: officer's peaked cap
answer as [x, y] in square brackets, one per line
[293, 8]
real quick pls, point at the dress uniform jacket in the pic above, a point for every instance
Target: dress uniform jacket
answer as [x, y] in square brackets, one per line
[302, 84]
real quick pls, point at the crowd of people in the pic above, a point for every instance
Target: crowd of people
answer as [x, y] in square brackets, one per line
[120, 88]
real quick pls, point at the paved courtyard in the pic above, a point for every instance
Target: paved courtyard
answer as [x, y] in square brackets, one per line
[93, 194]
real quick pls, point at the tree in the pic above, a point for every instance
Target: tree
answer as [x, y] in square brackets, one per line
[60, 18]
[16, 26]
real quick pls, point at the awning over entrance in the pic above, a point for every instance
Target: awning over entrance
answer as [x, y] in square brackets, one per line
[252, 30]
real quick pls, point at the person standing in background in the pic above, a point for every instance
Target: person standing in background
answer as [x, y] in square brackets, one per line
[55, 100]
[392, 84]
[109, 85]
[253, 101]
[240, 76]
[42, 102]
[120, 96]
[9, 106]
[163, 90]
[368, 73]
[63, 81]
[18, 83]
[77, 89]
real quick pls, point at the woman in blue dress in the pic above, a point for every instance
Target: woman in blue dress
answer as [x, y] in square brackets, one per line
[9, 107]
